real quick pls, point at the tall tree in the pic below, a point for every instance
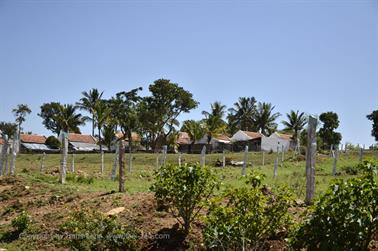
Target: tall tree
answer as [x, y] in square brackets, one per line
[295, 123]
[102, 112]
[374, 118]
[20, 112]
[57, 117]
[215, 125]
[124, 109]
[89, 102]
[330, 122]
[265, 118]
[195, 130]
[241, 116]
[159, 112]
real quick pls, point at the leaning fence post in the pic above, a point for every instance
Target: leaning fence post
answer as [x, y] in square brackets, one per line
[245, 160]
[310, 159]
[73, 163]
[223, 159]
[335, 156]
[203, 156]
[43, 162]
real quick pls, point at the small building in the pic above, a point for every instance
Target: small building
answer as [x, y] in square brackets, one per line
[278, 141]
[83, 143]
[184, 142]
[217, 143]
[34, 143]
[242, 138]
[136, 141]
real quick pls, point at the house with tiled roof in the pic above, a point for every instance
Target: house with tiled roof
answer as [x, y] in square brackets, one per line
[242, 138]
[135, 138]
[83, 143]
[33, 143]
[218, 143]
[277, 141]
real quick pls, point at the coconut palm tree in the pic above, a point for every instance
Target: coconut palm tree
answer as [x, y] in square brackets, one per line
[88, 103]
[20, 113]
[241, 116]
[102, 112]
[295, 123]
[195, 130]
[68, 120]
[265, 118]
[214, 123]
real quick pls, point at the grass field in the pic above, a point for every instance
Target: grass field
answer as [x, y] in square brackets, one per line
[50, 203]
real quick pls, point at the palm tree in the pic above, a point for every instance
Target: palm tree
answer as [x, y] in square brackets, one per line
[195, 130]
[68, 120]
[214, 123]
[265, 118]
[295, 123]
[20, 113]
[88, 103]
[101, 112]
[108, 133]
[241, 116]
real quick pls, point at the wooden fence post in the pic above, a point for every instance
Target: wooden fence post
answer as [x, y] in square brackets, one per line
[223, 159]
[361, 154]
[115, 161]
[310, 159]
[275, 169]
[179, 159]
[42, 169]
[245, 160]
[63, 161]
[263, 158]
[335, 154]
[203, 156]
[73, 163]
[14, 153]
[121, 185]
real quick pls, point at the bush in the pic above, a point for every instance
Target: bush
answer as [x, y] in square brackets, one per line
[21, 223]
[91, 230]
[360, 167]
[184, 190]
[244, 218]
[345, 217]
[53, 142]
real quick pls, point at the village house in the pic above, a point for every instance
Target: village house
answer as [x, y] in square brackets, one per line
[277, 141]
[135, 138]
[217, 143]
[33, 143]
[83, 143]
[242, 138]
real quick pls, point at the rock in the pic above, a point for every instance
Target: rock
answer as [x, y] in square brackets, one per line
[115, 211]
[27, 188]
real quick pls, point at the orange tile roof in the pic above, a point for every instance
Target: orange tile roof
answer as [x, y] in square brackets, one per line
[34, 139]
[285, 136]
[253, 135]
[183, 138]
[134, 136]
[223, 137]
[76, 137]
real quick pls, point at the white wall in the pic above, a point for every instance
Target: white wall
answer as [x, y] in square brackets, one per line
[240, 136]
[272, 142]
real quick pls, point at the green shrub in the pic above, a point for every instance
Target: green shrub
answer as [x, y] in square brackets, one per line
[53, 142]
[184, 190]
[244, 218]
[345, 217]
[363, 167]
[91, 230]
[21, 223]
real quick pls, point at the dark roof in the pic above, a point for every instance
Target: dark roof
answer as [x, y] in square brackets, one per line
[253, 135]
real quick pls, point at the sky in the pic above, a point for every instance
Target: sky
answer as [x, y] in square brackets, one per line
[312, 56]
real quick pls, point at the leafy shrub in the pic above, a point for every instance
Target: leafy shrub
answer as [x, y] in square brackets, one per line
[53, 142]
[21, 223]
[79, 179]
[345, 217]
[91, 230]
[365, 166]
[184, 190]
[244, 218]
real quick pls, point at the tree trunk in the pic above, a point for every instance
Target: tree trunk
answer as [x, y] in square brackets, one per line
[43, 162]
[245, 161]
[93, 125]
[121, 166]
[310, 159]
[4, 151]
[130, 152]
[73, 163]
[203, 156]
[101, 151]
[63, 162]
[335, 156]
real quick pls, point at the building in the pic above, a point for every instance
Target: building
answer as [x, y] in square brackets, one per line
[34, 143]
[242, 138]
[278, 141]
[83, 143]
[136, 141]
[217, 143]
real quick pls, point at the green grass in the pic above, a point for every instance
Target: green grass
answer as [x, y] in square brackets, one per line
[290, 172]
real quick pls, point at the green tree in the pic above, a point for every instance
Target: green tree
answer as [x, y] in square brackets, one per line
[330, 122]
[7, 129]
[265, 118]
[20, 113]
[295, 123]
[89, 102]
[57, 117]
[214, 123]
[241, 116]
[102, 112]
[195, 130]
[159, 112]
[374, 118]
[108, 133]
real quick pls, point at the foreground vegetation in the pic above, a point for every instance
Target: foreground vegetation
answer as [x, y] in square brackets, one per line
[39, 213]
